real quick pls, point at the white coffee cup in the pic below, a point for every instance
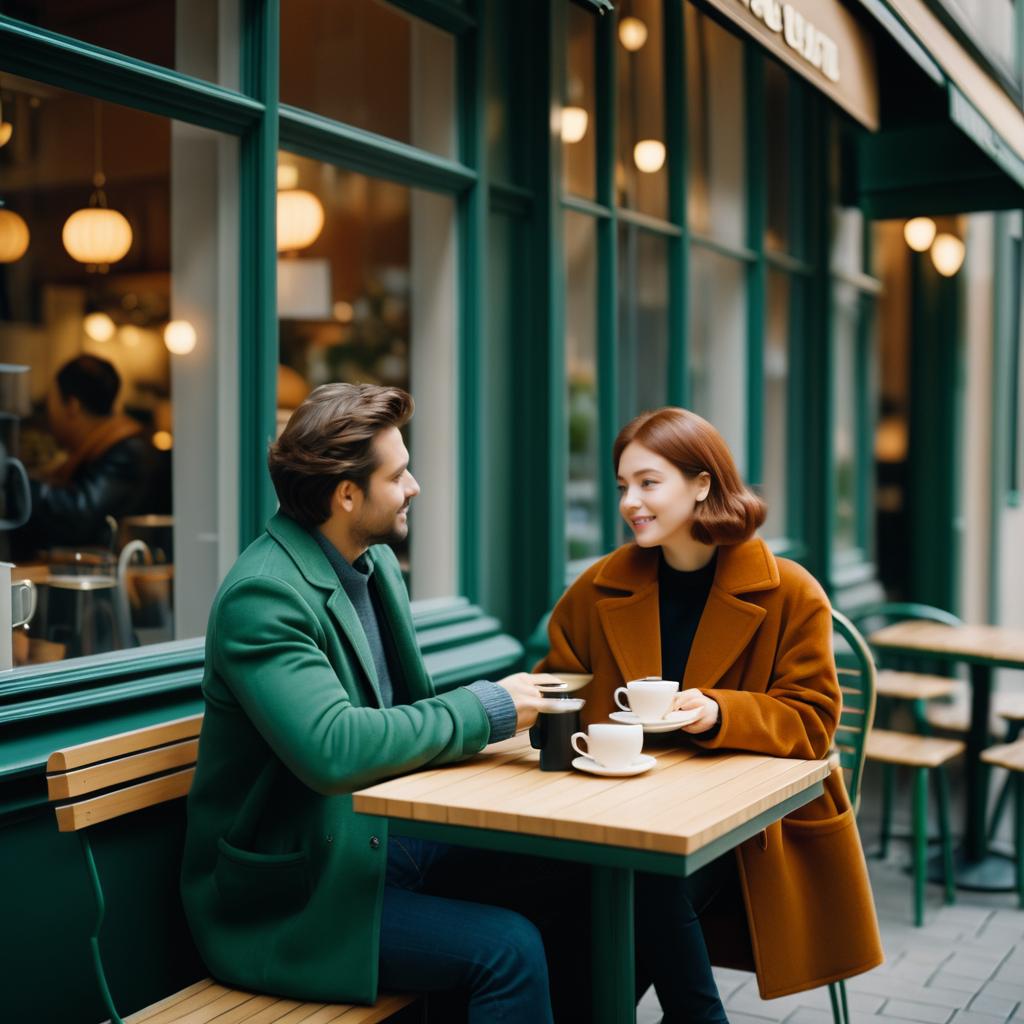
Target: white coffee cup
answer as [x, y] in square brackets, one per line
[613, 746]
[649, 699]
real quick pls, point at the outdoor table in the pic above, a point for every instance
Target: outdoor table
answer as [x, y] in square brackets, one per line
[689, 809]
[984, 648]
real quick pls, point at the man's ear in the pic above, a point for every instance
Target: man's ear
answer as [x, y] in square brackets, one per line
[346, 495]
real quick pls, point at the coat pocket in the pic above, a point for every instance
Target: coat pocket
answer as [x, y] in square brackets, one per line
[261, 885]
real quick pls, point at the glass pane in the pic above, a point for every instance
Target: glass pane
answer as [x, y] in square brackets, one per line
[582, 492]
[117, 328]
[367, 64]
[782, 291]
[499, 95]
[778, 169]
[641, 170]
[716, 149]
[643, 321]
[579, 108]
[193, 36]
[846, 309]
[718, 346]
[367, 293]
[847, 236]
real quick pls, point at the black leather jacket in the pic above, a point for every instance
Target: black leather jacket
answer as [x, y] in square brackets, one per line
[118, 484]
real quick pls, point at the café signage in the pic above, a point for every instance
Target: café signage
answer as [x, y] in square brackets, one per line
[799, 34]
[821, 40]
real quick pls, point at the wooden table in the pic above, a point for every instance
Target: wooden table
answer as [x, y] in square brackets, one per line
[689, 809]
[984, 648]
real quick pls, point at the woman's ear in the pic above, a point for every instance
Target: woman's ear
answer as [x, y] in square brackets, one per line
[704, 486]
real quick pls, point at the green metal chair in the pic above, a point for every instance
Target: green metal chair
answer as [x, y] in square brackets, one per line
[856, 670]
[904, 680]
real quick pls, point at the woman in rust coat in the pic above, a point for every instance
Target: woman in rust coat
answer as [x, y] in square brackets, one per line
[697, 597]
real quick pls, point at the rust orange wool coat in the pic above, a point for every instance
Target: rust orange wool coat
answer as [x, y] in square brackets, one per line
[763, 651]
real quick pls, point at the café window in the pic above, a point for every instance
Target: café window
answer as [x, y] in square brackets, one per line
[366, 286]
[118, 295]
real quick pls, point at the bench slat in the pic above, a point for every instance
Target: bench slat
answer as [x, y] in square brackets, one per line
[124, 769]
[144, 1014]
[180, 1003]
[72, 817]
[124, 743]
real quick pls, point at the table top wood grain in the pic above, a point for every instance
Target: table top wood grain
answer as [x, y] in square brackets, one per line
[1001, 646]
[689, 799]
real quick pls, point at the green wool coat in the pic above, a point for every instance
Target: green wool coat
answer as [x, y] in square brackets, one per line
[281, 881]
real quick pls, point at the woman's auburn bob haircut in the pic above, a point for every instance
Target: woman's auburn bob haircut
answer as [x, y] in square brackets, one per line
[731, 512]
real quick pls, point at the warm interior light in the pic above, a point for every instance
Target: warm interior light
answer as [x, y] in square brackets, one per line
[14, 236]
[343, 311]
[574, 124]
[130, 336]
[99, 326]
[163, 440]
[287, 176]
[97, 236]
[300, 219]
[948, 254]
[6, 131]
[919, 233]
[632, 34]
[179, 337]
[649, 155]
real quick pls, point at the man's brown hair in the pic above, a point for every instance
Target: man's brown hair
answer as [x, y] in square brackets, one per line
[329, 438]
[731, 512]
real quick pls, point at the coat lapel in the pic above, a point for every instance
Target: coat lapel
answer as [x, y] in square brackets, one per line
[313, 564]
[631, 621]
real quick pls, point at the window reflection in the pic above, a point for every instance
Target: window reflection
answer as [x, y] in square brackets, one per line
[367, 64]
[582, 504]
[782, 297]
[641, 169]
[112, 312]
[366, 292]
[846, 312]
[716, 148]
[717, 334]
[579, 109]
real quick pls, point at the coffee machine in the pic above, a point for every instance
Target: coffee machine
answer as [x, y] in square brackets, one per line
[17, 602]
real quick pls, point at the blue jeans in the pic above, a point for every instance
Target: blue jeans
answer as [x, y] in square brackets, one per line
[444, 929]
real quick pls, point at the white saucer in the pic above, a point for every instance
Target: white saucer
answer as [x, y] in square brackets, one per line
[674, 720]
[643, 763]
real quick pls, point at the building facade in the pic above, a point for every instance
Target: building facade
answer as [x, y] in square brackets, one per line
[540, 218]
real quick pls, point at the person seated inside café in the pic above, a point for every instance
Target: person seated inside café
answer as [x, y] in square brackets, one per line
[108, 466]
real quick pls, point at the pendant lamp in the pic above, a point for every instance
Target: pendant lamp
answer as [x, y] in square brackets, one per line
[96, 235]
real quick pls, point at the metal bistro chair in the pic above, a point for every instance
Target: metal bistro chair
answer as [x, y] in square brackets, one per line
[856, 670]
[929, 695]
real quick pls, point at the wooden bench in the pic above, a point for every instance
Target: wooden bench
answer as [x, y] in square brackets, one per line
[117, 775]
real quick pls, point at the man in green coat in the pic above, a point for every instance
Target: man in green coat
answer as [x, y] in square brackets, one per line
[314, 687]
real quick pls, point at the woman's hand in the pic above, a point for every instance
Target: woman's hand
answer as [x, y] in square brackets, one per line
[689, 700]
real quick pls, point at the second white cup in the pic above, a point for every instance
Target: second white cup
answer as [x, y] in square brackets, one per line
[648, 699]
[613, 746]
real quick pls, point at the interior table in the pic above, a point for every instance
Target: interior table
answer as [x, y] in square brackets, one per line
[983, 648]
[690, 808]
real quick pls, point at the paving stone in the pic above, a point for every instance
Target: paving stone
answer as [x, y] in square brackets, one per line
[1004, 990]
[972, 966]
[917, 974]
[947, 979]
[808, 1016]
[895, 989]
[995, 935]
[918, 1011]
[969, 1017]
[993, 1005]
[926, 954]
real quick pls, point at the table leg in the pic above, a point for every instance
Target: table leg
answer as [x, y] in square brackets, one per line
[611, 938]
[975, 770]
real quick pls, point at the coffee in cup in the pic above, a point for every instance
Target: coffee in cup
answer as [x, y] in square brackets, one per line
[650, 699]
[612, 746]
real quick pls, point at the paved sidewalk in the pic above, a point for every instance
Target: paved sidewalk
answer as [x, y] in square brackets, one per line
[964, 966]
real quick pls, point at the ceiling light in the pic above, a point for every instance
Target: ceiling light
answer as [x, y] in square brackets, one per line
[180, 337]
[99, 326]
[287, 176]
[300, 219]
[14, 236]
[948, 254]
[574, 124]
[649, 155]
[632, 34]
[919, 233]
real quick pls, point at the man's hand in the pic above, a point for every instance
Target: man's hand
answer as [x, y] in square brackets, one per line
[690, 700]
[526, 695]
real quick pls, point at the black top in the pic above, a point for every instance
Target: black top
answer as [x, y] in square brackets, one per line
[681, 600]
